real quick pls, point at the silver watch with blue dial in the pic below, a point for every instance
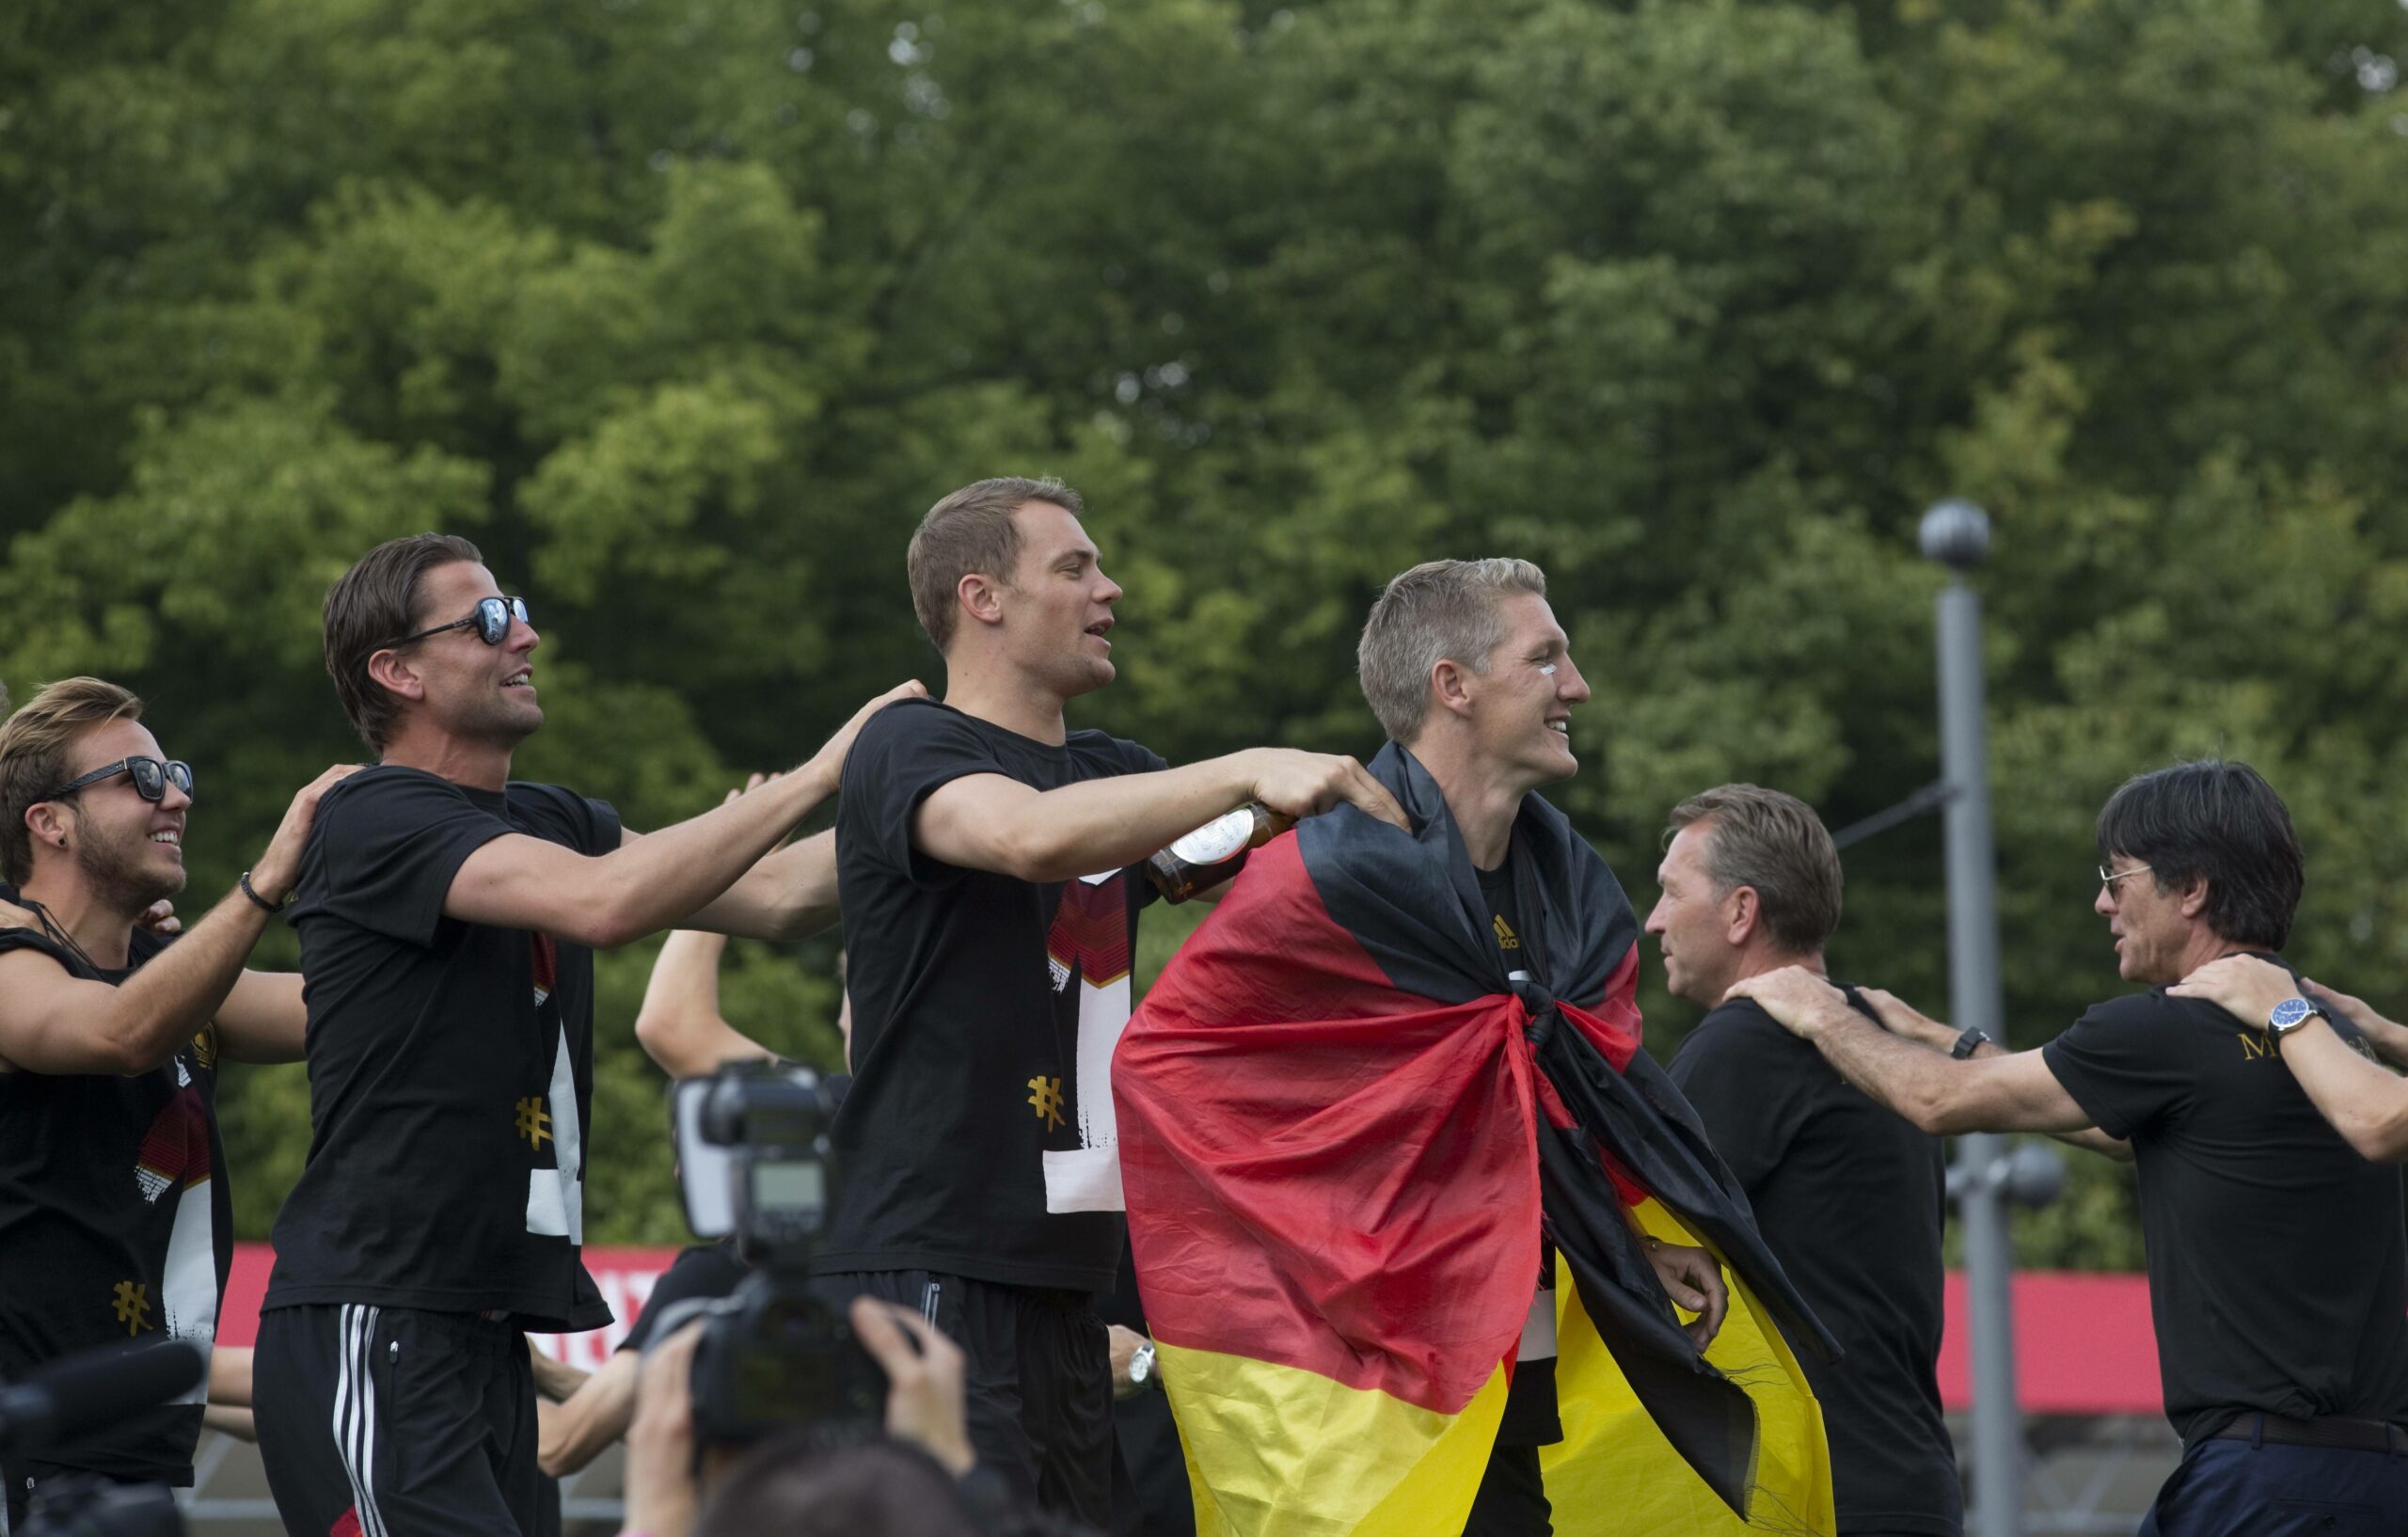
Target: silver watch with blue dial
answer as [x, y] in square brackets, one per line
[2291, 1013]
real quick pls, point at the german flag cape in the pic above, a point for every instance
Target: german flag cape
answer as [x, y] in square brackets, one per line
[1342, 1130]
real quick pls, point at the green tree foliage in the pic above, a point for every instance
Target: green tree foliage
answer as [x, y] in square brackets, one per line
[685, 312]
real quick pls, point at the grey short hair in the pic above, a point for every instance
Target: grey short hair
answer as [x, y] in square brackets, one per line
[1776, 844]
[1446, 611]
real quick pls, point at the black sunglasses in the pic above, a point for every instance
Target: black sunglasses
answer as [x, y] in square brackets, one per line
[152, 777]
[491, 621]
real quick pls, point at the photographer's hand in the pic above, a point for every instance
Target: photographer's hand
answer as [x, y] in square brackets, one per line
[660, 1494]
[924, 1402]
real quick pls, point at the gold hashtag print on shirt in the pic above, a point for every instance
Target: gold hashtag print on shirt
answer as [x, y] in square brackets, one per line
[535, 1122]
[1046, 1095]
[132, 1304]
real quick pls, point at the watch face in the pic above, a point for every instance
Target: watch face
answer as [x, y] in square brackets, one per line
[2290, 1014]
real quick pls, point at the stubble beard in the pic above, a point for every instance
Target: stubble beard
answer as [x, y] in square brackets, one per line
[119, 874]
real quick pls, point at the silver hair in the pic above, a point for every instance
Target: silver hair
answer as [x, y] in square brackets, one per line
[1438, 610]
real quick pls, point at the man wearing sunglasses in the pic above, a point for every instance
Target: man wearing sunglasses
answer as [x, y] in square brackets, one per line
[2277, 1258]
[112, 1204]
[448, 917]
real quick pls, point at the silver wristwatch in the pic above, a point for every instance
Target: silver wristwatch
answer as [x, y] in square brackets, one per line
[1141, 1365]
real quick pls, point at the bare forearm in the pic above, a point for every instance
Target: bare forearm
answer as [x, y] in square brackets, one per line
[1103, 824]
[2389, 1040]
[2090, 1139]
[679, 1025]
[787, 896]
[572, 1433]
[662, 880]
[237, 1423]
[230, 1376]
[2368, 1105]
[555, 1380]
[1907, 1076]
[168, 1001]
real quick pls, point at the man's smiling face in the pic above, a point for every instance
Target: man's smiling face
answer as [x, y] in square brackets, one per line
[131, 850]
[1522, 706]
[485, 692]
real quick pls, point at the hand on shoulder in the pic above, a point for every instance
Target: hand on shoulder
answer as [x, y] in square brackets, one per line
[1798, 998]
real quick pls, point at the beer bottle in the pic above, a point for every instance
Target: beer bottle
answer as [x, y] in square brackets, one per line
[1213, 852]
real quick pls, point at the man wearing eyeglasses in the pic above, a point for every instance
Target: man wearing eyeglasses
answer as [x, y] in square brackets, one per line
[2277, 1257]
[113, 1206]
[448, 917]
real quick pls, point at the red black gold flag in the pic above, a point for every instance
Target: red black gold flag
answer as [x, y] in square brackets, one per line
[1344, 1128]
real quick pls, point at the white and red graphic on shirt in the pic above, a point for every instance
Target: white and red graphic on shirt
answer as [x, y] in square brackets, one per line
[173, 1164]
[1088, 942]
[555, 1195]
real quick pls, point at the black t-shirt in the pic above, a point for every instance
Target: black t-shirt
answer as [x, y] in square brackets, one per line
[114, 1224]
[2277, 1257]
[451, 1064]
[1851, 1198]
[978, 1139]
[705, 1272]
[1531, 1416]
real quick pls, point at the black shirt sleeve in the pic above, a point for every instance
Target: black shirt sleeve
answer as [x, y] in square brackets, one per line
[2126, 1063]
[1740, 1071]
[905, 753]
[705, 1271]
[589, 826]
[391, 840]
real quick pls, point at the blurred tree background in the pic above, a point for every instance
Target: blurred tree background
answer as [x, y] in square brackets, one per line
[686, 310]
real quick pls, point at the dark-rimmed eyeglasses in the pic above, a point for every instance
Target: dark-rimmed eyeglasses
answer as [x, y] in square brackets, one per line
[2108, 877]
[491, 621]
[152, 777]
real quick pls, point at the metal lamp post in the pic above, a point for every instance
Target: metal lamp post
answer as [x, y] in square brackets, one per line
[1957, 535]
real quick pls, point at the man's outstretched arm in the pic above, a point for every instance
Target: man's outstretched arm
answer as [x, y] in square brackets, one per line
[2012, 1091]
[658, 880]
[990, 822]
[1903, 1020]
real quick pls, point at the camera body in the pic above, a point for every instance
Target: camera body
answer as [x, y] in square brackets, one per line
[752, 1148]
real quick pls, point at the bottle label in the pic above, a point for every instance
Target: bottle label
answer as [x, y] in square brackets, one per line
[1223, 837]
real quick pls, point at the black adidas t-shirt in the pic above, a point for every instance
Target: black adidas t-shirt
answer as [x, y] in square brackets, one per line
[451, 1064]
[978, 1138]
[1531, 1416]
[114, 1224]
[1851, 1198]
[2277, 1257]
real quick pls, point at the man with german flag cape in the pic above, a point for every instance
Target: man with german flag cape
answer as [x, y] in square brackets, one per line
[1388, 1081]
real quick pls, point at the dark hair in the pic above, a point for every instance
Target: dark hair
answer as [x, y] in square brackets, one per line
[881, 1488]
[374, 604]
[972, 530]
[2216, 818]
[1774, 844]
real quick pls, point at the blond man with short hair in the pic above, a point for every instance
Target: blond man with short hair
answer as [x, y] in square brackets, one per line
[113, 1207]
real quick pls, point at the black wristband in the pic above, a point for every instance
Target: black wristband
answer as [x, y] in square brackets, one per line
[262, 903]
[1966, 1044]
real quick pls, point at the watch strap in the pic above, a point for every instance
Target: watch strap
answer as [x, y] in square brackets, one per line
[1968, 1043]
